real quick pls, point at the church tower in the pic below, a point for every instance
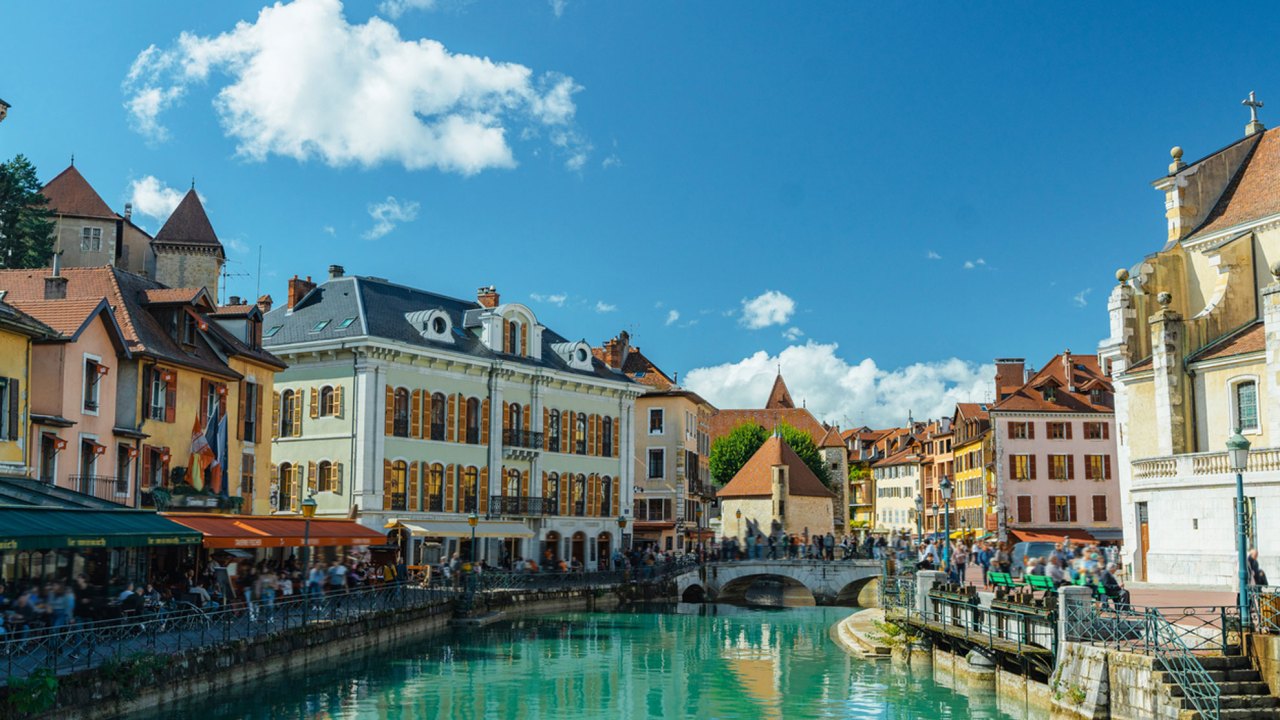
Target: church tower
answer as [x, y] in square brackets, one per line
[779, 396]
[187, 251]
[836, 456]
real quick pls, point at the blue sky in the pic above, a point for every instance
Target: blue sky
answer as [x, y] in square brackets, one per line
[881, 197]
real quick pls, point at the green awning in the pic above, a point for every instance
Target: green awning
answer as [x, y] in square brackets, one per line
[37, 528]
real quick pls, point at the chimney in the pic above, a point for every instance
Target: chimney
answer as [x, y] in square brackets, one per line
[55, 286]
[1067, 367]
[1009, 372]
[336, 271]
[128, 211]
[615, 350]
[487, 296]
[298, 289]
[234, 300]
[264, 304]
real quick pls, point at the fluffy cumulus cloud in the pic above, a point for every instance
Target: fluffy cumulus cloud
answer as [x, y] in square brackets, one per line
[851, 393]
[672, 317]
[387, 214]
[932, 255]
[973, 264]
[604, 307]
[793, 333]
[302, 82]
[150, 196]
[556, 299]
[769, 308]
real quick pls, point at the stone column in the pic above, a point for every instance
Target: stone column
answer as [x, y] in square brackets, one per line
[925, 580]
[1115, 353]
[1073, 601]
[368, 407]
[1271, 323]
[1167, 341]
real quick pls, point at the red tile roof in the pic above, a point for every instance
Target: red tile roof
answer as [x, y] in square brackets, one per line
[70, 194]
[831, 439]
[1248, 339]
[908, 454]
[1253, 194]
[639, 368]
[779, 396]
[233, 310]
[164, 295]
[756, 477]
[66, 316]
[1066, 371]
[188, 225]
[723, 422]
[972, 411]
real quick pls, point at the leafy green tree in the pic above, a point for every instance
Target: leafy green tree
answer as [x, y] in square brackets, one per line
[731, 452]
[26, 223]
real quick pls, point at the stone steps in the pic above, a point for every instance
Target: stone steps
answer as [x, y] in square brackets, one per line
[1235, 714]
[1240, 702]
[1218, 676]
[1231, 688]
[1244, 695]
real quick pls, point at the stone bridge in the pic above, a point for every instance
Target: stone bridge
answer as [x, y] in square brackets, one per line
[821, 582]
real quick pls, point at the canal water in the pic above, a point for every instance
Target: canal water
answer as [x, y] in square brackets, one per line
[686, 661]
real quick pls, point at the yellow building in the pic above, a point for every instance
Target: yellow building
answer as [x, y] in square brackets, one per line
[16, 332]
[973, 479]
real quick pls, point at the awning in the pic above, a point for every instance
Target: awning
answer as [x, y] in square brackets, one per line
[253, 531]
[1107, 534]
[460, 528]
[1051, 535]
[51, 528]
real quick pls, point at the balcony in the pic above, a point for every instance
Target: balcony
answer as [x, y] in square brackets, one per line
[524, 506]
[102, 487]
[1201, 465]
[521, 444]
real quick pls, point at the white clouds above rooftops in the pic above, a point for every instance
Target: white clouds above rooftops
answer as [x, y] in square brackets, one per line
[769, 308]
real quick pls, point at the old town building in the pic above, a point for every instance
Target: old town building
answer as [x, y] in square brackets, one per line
[416, 410]
[897, 483]
[972, 477]
[775, 491]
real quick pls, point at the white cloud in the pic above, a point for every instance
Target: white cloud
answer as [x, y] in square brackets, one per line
[604, 307]
[556, 299]
[971, 264]
[558, 6]
[1081, 298]
[302, 82]
[768, 308]
[844, 392]
[151, 197]
[395, 8]
[931, 255]
[793, 333]
[672, 316]
[387, 213]
[328, 230]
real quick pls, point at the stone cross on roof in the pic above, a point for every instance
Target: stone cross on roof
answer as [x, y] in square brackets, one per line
[1253, 104]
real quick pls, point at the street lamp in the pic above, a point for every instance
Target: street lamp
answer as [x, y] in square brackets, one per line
[473, 520]
[738, 514]
[308, 512]
[622, 531]
[919, 512]
[945, 487]
[697, 513]
[1238, 460]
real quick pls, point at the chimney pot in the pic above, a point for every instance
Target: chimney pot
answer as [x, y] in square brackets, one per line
[336, 271]
[264, 304]
[233, 300]
[298, 289]
[487, 296]
[128, 211]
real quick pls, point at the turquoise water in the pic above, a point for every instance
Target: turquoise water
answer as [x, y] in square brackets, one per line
[691, 661]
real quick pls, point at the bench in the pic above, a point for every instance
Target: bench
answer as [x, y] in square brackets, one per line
[1000, 579]
[1041, 582]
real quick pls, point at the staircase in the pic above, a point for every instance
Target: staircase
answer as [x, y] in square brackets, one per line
[1244, 695]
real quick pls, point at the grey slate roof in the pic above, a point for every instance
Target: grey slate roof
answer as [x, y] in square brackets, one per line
[379, 308]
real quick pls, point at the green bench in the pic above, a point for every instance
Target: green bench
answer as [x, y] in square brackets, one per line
[1040, 582]
[1001, 579]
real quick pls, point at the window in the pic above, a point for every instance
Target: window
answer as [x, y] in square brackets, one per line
[655, 421]
[438, 325]
[9, 421]
[657, 463]
[1021, 431]
[1245, 397]
[394, 487]
[470, 486]
[346, 323]
[606, 429]
[327, 406]
[691, 469]
[326, 475]
[319, 326]
[1097, 467]
[1099, 508]
[1022, 467]
[188, 329]
[1061, 467]
[553, 494]
[579, 495]
[435, 488]
[246, 474]
[124, 469]
[1059, 430]
[400, 416]
[606, 496]
[1096, 431]
[437, 416]
[252, 399]
[1024, 508]
[288, 486]
[163, 397]
[272, 331]
[91, 239]
[289, 404]
[513, 337]
[473, 421]
[515, 419]
[580, 438]
[1062, 508]
[553, 432]
[93, 373]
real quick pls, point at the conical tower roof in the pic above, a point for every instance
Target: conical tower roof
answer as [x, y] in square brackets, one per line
[779, 396]
[188, 225]
[70, 194]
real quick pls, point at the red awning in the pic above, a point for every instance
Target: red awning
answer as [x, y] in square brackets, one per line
[1052, 535]
[249, 531]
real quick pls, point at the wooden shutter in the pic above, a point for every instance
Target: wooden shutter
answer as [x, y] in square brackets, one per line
[146, 392]
[484, 490]
[415, 414]
[311, 477]
[389, 417]
[171, 397]
[1024, 508]
[337, 401]
[1071, 508]
[1071, 466]
[275, 415]
[506, 419]
[546, 428]
[15, 407]
[426, 414]
[451, 434]
[1068, 424]
[386, 484]
[592, 435]
[1099, 508]
[315, 403]
[241, 388]
[452, 500]
[146, 466]
[616, 449]
[524, 338]
[1013, 467]
[616, 491]
[506, 336]
[544, 485]
[573, 431]
[484, 421]
[412, 491]
[525, 490]
[1031, 464]
[565, 445]
[1053, 510]
[1031, 430]
[297, 416]
[337, 478]
[527, 416]
[566, 489]
[1009, 431]
[275, 479]
[1106, 467]
[1106, 431]
[164, 467]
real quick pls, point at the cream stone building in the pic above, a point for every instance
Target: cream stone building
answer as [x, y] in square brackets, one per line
[414, 410]
[897, 483]
[775, 491]
[1194, 352]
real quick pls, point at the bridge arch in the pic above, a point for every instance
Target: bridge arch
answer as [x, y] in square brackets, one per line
[766, 589]
[846, 582]
[859, 593]
[695, 593]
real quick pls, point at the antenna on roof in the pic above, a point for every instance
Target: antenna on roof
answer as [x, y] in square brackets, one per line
[193, 182]
[73, 159]
[226, 275]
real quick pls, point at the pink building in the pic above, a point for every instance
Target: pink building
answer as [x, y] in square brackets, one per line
[76, 443]
[1055, 453]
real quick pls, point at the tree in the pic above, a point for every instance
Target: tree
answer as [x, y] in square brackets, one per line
[26, 223]
[731, 452]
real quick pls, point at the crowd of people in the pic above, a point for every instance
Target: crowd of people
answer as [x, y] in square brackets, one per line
[779, 545]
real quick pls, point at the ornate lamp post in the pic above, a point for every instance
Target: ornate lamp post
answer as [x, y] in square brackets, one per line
[919, 519]
[308, 512]
[697, 514]
[622, 530]
[738, 514]
[1238, 459]
[945, 487]
[473, 520]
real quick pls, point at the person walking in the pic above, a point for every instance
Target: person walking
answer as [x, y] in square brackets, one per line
[960, 561]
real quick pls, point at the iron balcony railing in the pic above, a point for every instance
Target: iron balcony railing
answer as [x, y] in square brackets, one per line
[509, 505]
[530, 439]
[103, 487]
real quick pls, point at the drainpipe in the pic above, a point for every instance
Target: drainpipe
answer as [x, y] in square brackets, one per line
[355, 358]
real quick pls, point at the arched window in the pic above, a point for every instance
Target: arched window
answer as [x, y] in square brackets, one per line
[606, 496]
[606, 443]
[288, 411]
[511, 483]
[325, 477]
[515, 420]
[435, 488]
[327, 407]
[395, 485]
[401, 417]
[287, 489]
[552, 500]
[473, 421]
[513, 337]
[437, 416]
[470, 482]
[580, 436]
[579, 497]
[553, 432]
[1244, 405]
